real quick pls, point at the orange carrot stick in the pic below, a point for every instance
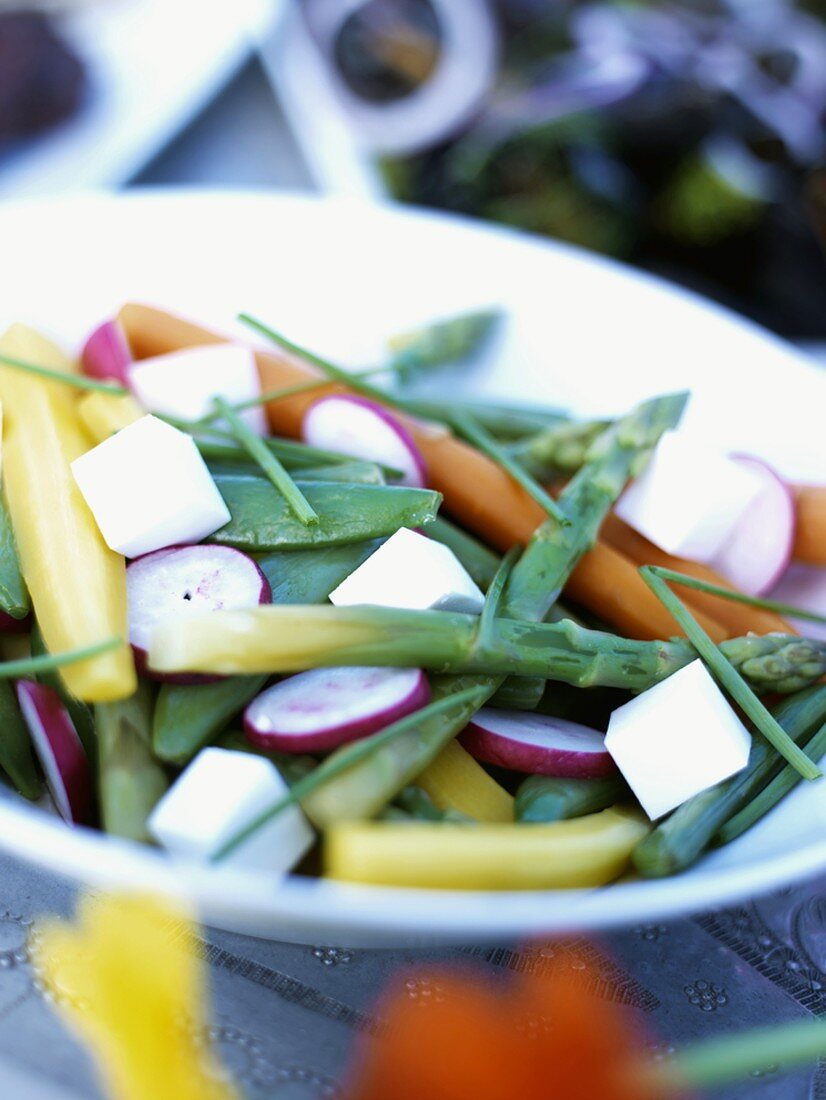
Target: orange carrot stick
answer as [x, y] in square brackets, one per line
[477, 492]
[738, 619]
[810, 538]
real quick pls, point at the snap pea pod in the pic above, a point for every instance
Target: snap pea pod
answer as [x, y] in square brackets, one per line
[261, 519]
[14, 597]
[215, 444]
[189, 716]
[682, 838]
[355, 472]
[414, 804]
[543, 798]
[130, 780]
[16, 758]
[519, 693]
[80, 713]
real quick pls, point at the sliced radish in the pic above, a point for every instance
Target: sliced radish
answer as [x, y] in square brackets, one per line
[361, 428]
[758, 551]
[537, 743]
[318, 710]
[804, 586]
[106, 354]
[58, 748]
[182, 579]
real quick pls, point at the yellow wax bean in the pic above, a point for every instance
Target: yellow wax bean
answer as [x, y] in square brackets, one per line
[104, 414]
[586, 851]
[455, 781]
[77, 584]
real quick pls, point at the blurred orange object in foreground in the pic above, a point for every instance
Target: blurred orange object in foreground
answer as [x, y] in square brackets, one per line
[542, 1038]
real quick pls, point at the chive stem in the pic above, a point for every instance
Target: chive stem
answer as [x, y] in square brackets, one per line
[474, 433]
[343, 760]
[31, 666]
[260, 453]
[686, 581]
[728, 676]
[79, 381]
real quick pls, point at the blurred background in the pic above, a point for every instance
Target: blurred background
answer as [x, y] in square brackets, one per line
[683, 136]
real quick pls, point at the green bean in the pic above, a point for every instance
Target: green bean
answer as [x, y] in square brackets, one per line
[261, 519]
[309, 576]
[14, 598]
[682, 838]
[130, 779]
[354, 473]
[16, 757]
[543, 798]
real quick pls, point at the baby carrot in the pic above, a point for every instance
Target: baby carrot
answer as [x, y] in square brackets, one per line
[810, 539]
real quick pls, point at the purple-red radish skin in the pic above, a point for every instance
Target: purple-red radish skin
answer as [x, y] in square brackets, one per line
[494, 737]
[106, 353]
[267, 727]
[10, 625]
[58, 748]
[759, 550]
[144, 586]
[415, 468]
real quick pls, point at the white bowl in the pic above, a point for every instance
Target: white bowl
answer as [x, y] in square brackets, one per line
[340, 275]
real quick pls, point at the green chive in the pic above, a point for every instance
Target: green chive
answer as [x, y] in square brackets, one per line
[728, 676]
[474, 432]
[493, 597]
[79, 381]
[343, 760]
[686, 581]
[260, 453]
[31, 666]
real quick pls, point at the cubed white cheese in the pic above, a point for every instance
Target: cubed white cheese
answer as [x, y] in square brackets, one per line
[677, 739]
[184, 384]
[220, 793]
[148, 487]
[411, 571]
[689, 498]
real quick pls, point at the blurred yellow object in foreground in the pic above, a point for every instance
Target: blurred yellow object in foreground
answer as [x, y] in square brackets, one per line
[129, 983]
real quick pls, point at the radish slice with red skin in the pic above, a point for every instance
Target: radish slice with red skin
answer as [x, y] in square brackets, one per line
[106, 354]
[58, 747]
[804, 586]
[759, 549]
[538, 744]
[361, 428]
[181, 579]
[318, 710]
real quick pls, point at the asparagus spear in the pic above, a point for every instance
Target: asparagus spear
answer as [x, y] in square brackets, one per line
[276, 639]
[684, 836]
[558, 449]
[534, 586]
[785, 781]
[451, 340]
[130, 778]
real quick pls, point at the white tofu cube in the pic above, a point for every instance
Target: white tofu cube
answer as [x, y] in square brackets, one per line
[184, 384]
[689, 498]
[220, 793]
[411, 571]
[148, 487]
[677, 739]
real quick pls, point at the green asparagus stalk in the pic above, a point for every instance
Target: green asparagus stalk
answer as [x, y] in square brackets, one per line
[783, 782]
[131, 780]
[533, 587]
[684, 836]
[558, 449]
[507, 423]
[451, 340]
[543, 798]
[278, 639]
